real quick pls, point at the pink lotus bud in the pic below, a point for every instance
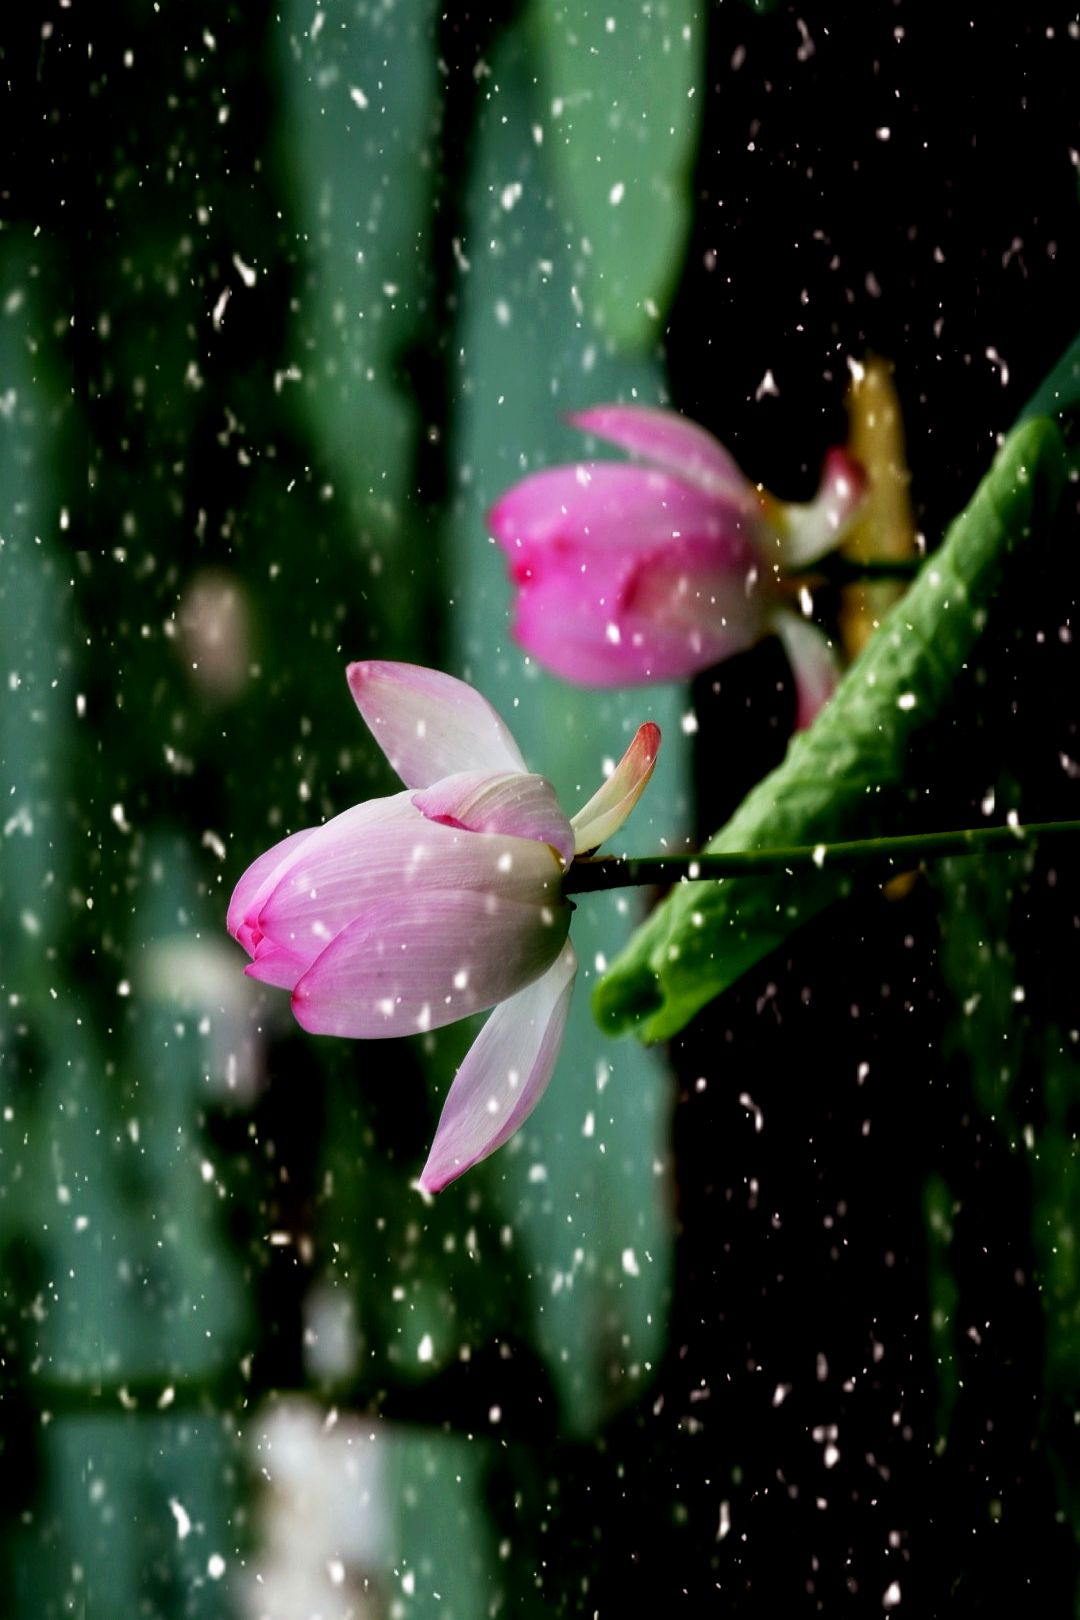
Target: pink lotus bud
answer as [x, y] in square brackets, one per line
[655, 569]
[410, 912]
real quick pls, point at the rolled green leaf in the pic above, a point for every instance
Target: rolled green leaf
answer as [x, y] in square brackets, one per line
[621, 131]
[856, 773]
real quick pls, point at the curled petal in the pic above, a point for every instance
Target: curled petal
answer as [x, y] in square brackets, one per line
[428, 724]
[514, 802]
[611, 804]
[256, 884]
[813, 663]
[809, 532]
[387, 848]
[421, 960]
[566, 515]
[670, 441]
[504, 1075]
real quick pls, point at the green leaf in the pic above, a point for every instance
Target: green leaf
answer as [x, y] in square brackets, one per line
[1059, 393]
[579, 1190]
[859, 771]
[620, 91]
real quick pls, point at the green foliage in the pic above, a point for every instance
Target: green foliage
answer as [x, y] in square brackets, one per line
[620, 99]
[864, 768]
[584, 1184]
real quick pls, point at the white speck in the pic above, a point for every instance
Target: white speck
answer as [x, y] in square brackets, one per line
[1018, 993]
[906, 700]
[461, 978]
[505, 862]
[219, 308]
[616, 194]
[123, 988]
[988, 802]
[206, 1170]
[408, 1583]
[117, 814]
[725, 1521]
[780, 1394]
[689, 723]
[630, 1263]
[336, 1571]
[425, 1350]
[806, 601]
[215, 1566]
[248, 275]
[832, 1456]
[891, 1596]
[818, 857]
[538, 1172]
[589, 1127]
[767, 385]
[502, 312]
[358, 97]
[613, 634]
[996, 360]
[883, 133]
[182, 1517]
[748, 1102]
[510, 194]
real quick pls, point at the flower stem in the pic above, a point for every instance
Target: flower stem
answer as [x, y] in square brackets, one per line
[592, 873]
[838, 570]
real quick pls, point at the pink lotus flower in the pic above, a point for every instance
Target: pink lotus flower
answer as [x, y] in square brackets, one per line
[410, 912]
[654, 570]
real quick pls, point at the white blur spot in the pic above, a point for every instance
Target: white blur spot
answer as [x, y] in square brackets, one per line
[425, 1350]
[630, 1263]
[182, 1517]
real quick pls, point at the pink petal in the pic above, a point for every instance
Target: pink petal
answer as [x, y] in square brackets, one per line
[255, 884]
[430, 725]
[387, 848]
[809, 532]
[670, 441]
[418, 961]
[566, 515]
[663, 617]
[611, 804]
[514, 802]
[504, 1075]
[813, 663]
[277, 965]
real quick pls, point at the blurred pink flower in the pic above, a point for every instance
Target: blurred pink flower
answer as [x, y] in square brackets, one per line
[410, 912]
[653, 570]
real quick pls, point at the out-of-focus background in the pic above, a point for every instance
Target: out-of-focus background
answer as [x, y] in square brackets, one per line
[784, 1320]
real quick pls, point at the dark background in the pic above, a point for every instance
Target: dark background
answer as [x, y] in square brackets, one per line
[887, 1267]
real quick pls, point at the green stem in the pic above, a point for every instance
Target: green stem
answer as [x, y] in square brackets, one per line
[590, 874]
[837, 570]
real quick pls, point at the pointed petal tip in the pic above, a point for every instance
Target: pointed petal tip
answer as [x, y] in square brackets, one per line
[610, 806]
[846, 478]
